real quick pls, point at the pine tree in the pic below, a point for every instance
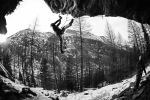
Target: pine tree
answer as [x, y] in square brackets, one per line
[44, 73]
[69, 77]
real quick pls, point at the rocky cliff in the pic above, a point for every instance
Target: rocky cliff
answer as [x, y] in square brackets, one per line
[137, 10]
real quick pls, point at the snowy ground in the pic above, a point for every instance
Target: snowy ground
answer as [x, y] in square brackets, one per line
[104, 93]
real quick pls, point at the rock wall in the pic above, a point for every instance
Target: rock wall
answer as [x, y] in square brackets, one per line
[6, 7]
[138, 10]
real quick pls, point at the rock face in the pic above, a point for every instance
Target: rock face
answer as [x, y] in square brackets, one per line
[141, 94]
[6, 7]
[138, 10]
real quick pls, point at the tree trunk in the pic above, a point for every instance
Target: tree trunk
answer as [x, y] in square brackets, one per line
[77, 76]
[55, 68]
[89, 75]
[18, 56]
[81, 40]
[146, 37]
[14, 69]
[22, 63]
[25, 64]
[31, 64]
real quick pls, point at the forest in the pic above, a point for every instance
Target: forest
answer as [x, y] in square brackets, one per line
[89, 61]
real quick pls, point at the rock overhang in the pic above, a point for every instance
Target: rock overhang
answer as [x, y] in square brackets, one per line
[138, 10]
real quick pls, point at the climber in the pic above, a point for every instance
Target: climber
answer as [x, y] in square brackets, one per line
[60, 31]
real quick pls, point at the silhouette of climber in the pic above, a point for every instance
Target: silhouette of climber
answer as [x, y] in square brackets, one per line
[60, 31]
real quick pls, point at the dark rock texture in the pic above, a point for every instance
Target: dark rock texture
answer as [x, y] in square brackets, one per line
[138, 10]
[6, 7]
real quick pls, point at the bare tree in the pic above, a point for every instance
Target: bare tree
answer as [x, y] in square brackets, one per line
[31, 53]
[119, 45]
[81, 26]
[85, 26]
[146, 38]
[54, 67]
[110, 35]
[110, 40]
[135, 36]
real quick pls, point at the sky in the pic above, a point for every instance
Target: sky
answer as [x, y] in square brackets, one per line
[28, 10]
